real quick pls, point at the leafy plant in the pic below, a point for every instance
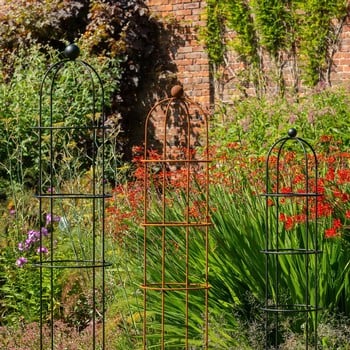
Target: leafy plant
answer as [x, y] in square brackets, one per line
[320, 25]
[300, 34]
[20, 110]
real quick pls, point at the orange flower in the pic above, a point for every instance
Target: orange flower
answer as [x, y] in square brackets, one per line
[330, 232]
[270, 202]
[343, 175]
[330, 175]
[337, 223]
[287, 220]
[326, 138]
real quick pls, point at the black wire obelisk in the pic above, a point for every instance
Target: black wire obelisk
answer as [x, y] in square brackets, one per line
[291, 248]
[71, 195]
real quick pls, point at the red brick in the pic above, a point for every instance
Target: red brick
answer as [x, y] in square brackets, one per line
[183, 13]
[192, 5]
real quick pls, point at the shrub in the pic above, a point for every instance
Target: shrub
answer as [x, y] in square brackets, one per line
[20, 110]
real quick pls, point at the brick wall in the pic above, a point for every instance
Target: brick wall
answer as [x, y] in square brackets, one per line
[341, 69]
[188, 53]
[192, 62]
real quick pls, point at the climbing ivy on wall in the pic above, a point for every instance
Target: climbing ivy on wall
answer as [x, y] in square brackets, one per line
[320, 22]
[274, 21]
[302, 32]
[239, 18]
[214, 32]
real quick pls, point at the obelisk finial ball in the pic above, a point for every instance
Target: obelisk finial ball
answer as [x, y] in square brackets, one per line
[292, 132]
[177, 91]
[72, 51]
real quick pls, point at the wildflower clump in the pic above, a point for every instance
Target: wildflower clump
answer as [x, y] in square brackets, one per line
[33, 244]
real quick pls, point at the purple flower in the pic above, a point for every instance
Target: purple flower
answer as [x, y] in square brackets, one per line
[12, 211]
[43, 250]
[44, 231]
[27, 244]
[33, 237]
[21, 247]
[52, 218]
[21, 261]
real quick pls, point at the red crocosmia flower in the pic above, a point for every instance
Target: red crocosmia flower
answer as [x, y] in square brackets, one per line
[343, 175]
[330, 175]
[283, 217]
[326, 138]
[330, 232]
[139, 173]
[270, 202]
[337, 223]
[347, 214]
[343, 196]
[154, 155]
[299, 179]
[289, 156]
[299, 218]
[137, 159]
[287, 220]
[233, 145]
[289, 223]
[319, 188]
[285, 190]
[344, 155]
[323, 209]
[331, 160]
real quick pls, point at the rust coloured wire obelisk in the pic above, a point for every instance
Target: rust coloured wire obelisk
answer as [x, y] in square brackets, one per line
[176, 224]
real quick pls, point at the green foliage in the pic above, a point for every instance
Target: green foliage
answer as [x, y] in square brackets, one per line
[254, 122]
[237, 266]
[19, 287]
[237, 15]
[248, 131]
[20, 291]
[305, 32]
[213, 33]
[274, 21]
[19, 112]
[226, 335]
[242, 137]
[317, 35]
[239, 18]
[72, 104]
